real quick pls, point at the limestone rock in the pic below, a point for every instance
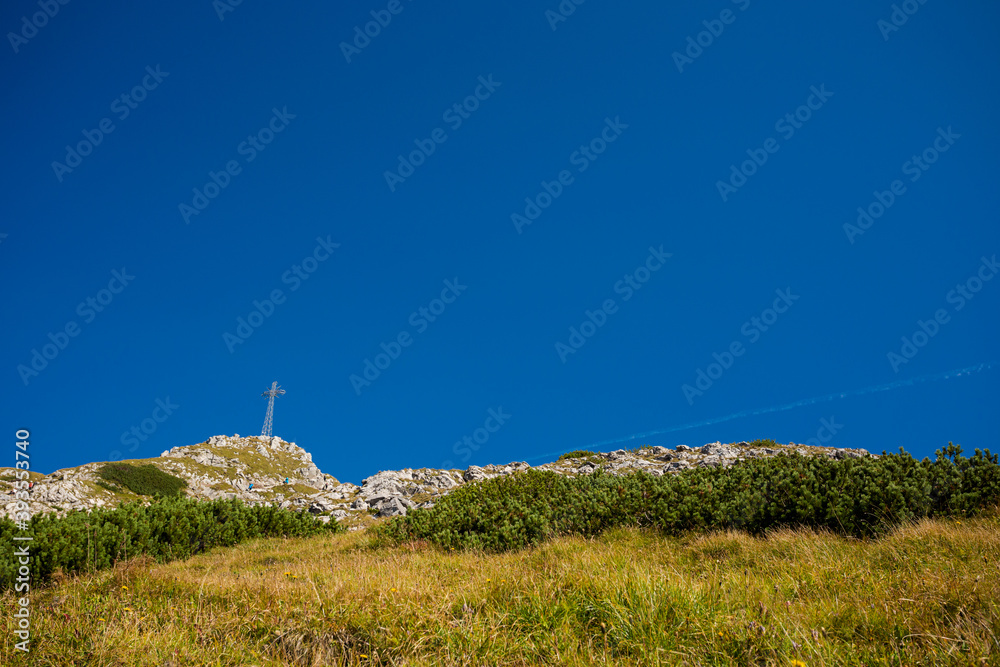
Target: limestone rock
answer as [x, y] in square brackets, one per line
[392, 507]
[476, 474]
[214, 470]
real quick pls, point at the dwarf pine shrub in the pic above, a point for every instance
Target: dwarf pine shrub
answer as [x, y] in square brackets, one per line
[857, 497]
[166, 529]
[145, 480]
[576, 454]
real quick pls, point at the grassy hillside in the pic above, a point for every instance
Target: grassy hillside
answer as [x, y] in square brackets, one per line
[164, 529]
[222, 467]
[927, 593]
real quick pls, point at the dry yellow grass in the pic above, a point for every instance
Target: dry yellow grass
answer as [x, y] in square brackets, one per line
[929, 594]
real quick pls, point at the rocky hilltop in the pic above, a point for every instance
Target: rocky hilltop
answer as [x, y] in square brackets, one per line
[283, 474]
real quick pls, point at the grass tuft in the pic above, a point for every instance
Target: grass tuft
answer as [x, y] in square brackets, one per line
[923, 594]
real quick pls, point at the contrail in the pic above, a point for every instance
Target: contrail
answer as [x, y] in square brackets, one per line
[797, 404]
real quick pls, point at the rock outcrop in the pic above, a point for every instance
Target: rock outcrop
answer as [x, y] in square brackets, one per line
[283, 474]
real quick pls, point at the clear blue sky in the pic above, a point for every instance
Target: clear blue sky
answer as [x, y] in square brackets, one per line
[636, 147]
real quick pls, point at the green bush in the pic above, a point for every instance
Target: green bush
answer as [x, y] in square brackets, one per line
[576, 454]
[166, 529]
[766, 443]
[110, 487]
[857, 497]
[147, 480]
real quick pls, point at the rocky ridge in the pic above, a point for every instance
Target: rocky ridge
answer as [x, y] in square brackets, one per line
[226, 466]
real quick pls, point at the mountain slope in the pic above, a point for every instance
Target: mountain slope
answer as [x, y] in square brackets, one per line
[926, 594]
[226, 466]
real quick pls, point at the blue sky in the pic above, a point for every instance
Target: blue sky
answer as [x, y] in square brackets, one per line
[538, 182]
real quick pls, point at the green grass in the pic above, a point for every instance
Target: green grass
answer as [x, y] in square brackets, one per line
[164, 529]
[927, 594]
[785, 561]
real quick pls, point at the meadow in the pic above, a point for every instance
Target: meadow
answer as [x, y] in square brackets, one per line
[791, 560]
[928, 593]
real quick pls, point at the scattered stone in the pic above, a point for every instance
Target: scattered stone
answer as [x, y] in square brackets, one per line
[476, 474]
[221, 474]
[392, 507]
